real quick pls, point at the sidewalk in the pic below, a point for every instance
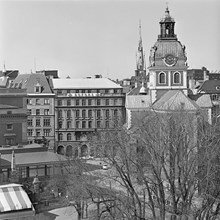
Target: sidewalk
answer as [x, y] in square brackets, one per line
[65, 213]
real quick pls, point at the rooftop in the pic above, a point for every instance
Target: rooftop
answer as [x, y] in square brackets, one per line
[33, 158]
[210, 86]
[138, 101]
[29, 81]
[174, 100]
[95, 83]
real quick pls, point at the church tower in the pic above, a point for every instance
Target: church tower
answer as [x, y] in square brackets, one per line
[140, 72]
[141, 67]
[168, 67]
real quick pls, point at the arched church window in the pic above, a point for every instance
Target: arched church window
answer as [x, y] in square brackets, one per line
[176, 77]
[162, 78]
[69, 136]
[60, 136]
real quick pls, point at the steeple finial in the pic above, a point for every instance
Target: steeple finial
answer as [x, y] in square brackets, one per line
[140, 29]
[167, 12]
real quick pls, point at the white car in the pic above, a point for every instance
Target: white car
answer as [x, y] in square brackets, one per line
[104, 166]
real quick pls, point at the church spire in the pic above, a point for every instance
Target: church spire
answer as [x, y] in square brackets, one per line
[140, 52]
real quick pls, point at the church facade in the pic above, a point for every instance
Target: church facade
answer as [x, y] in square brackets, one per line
[167, 61]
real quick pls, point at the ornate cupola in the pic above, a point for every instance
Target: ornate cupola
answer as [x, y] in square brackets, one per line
[167, 27]
[167, 61]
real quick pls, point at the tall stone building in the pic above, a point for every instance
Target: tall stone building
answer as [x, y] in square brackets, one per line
[168, 66]
[82, 107]
[40, 107]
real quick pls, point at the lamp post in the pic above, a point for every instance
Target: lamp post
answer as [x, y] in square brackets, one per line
[36, 183]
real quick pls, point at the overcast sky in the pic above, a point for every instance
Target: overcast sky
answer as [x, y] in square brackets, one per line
[83, 38]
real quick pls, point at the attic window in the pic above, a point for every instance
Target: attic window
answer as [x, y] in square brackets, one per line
[217, 87]
[38, 88]
[142, 101]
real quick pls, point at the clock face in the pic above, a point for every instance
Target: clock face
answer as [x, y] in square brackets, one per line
[169, 60]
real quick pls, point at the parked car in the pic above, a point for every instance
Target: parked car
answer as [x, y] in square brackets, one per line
[104, 166]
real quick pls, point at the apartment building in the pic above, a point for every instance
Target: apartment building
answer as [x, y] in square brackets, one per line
[82, 107]
[40, 108]
[13, 117]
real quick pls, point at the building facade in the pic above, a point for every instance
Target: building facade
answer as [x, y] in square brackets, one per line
[40, 108]
[13, 117]
[168, 66]
[83, 107]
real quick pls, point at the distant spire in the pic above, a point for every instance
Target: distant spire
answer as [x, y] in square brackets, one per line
[140, 53]
[140, 47]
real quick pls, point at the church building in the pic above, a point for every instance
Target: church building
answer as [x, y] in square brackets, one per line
[167, 61]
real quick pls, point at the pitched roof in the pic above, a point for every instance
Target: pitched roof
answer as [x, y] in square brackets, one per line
[2, 106]
[174, 100]
[29, 81]
[34, 158]
[204, 101]
[210, 86]
[138, 101]
[96, 83]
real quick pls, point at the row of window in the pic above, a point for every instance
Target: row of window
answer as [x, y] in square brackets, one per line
[105, 91]
[176, 78]
[38, 122]
[88, 102]
[37, 101]
[38, 111]
[69, 136]
[88, 113]
[84, 124]
[31, 171]
[38, 133]
[40, 170]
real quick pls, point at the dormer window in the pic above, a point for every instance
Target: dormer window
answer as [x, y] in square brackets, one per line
[38, 88]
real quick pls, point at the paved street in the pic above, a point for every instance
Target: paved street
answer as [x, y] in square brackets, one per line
[65, 213]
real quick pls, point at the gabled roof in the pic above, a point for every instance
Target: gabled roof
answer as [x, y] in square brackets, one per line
[175, 100]
[138, 101]
[29, 81]
[2, 106]
[204, 101]
[210, 87]
[34, 158]
[96, 83]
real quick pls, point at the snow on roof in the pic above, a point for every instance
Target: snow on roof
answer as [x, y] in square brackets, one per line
[138, 102]
[96, 83]
[174, 99]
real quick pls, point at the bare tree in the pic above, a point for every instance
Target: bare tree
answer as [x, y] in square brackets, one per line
[157, 165]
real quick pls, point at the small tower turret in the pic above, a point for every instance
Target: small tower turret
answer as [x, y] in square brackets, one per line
[167, 24]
